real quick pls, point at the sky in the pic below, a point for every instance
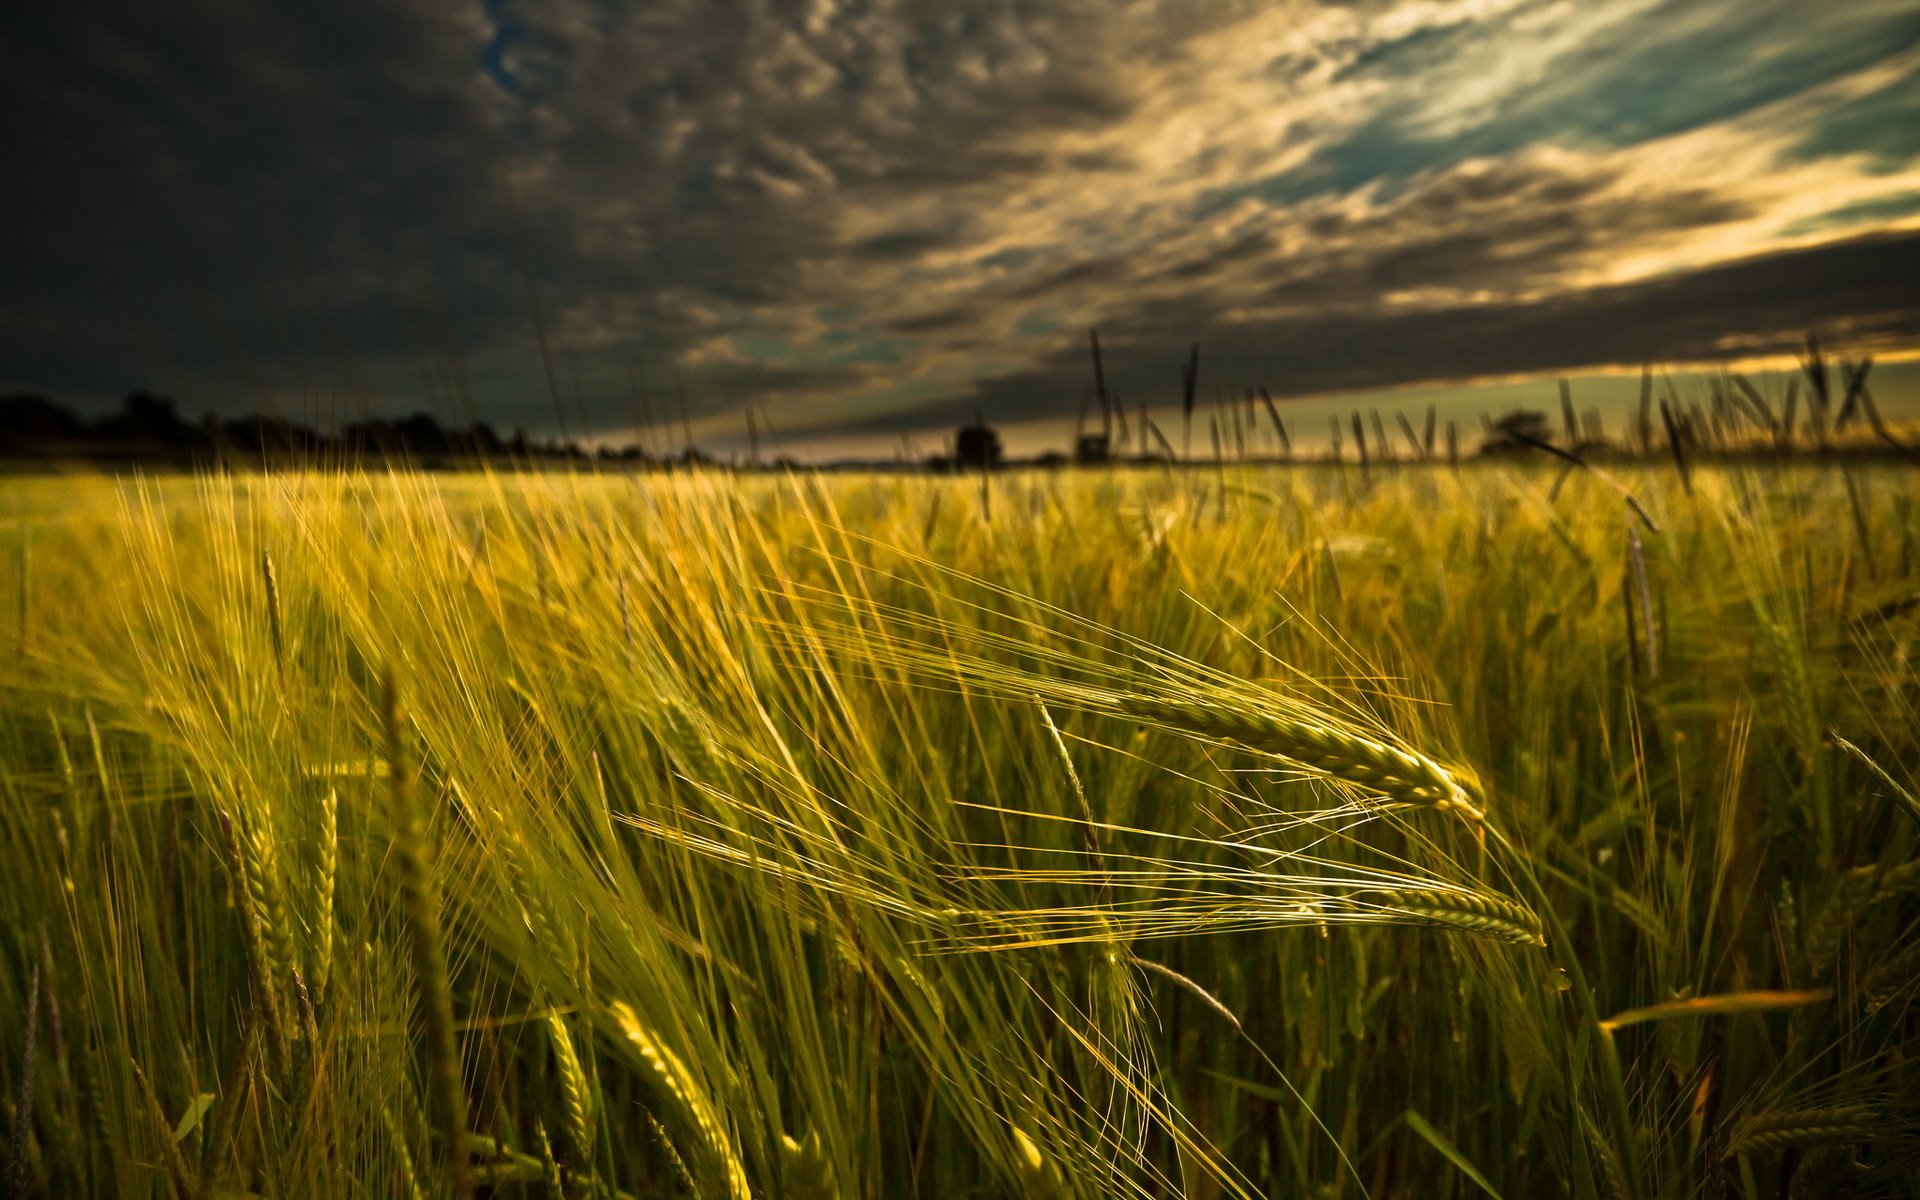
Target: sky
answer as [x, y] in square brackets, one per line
[871, 220]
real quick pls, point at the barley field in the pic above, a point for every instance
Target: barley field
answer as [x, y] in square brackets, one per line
[1268, 831]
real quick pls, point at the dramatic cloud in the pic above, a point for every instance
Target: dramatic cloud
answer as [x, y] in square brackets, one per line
[859, 215]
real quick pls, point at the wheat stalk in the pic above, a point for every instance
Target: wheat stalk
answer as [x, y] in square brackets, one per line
[1606, 1163]
[264, 892]
[549, 1165]
[23, 1106]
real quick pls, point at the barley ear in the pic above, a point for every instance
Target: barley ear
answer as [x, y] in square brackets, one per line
[324, 881]
[422, 906]
[806, 1171]
[179, 1175]
[275, 631]
[404, 1153]
[1606, 1164]
[1807, 1126]
[1472, 912]
[1321, 746]
[578, 1093]
[672, 1075]
[259, 952]
[1040, 1177]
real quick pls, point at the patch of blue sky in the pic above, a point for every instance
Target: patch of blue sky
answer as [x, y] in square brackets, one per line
[1422, 50]
[1883, 125]
[493, 55]
[1666, 73]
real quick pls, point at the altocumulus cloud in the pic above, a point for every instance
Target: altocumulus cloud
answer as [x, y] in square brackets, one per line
[877, 215]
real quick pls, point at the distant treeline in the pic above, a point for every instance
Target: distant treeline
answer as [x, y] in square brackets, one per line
[148, 430]
[1725, 417]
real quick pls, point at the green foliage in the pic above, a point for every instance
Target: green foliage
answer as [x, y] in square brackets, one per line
[1261, 832]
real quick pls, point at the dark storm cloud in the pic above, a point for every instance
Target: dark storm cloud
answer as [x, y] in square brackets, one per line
[960, 316]
[1100, 272]
[846, 209]
[1863, 287]
[904, 244]
[204, 184]
[301, 166]
[1494, 228]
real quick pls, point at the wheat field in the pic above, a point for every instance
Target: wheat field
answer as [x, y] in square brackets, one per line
[1269, 831]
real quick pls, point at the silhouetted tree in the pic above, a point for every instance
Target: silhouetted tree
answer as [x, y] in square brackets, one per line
[28, 422]
[148, 419]
[421, 435]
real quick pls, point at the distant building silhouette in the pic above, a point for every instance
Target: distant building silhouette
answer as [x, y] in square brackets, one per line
[976, 447]
[1092, 448]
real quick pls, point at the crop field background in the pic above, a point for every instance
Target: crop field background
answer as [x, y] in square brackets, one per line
[1253, 832]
